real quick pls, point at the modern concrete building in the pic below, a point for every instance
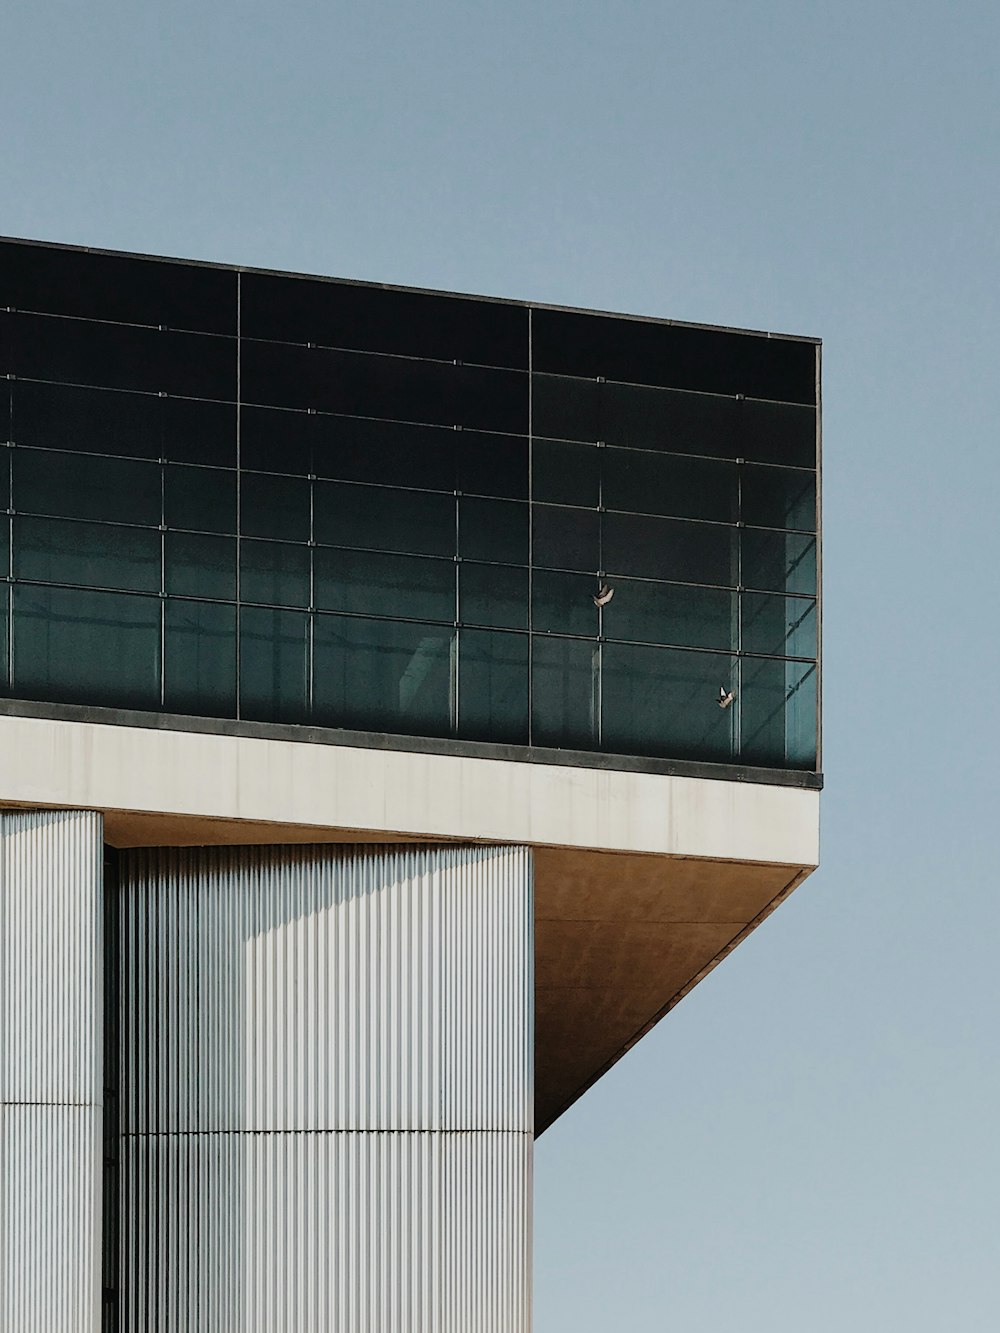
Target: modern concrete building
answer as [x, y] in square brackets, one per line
[407, 699]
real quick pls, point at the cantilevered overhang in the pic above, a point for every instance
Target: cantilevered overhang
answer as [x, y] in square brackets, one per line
[644, 881]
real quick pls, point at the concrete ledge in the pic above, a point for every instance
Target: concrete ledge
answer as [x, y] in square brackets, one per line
[326, 788]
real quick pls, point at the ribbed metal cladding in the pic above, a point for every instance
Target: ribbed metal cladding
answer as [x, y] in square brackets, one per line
[51, 1070]
[327, 1088]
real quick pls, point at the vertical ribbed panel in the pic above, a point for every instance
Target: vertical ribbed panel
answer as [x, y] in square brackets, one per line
[327, 1101]
[297, 1233]
[366, 989]
[51, 976]
[51, 950]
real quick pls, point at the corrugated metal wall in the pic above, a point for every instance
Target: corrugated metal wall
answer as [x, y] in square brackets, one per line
[51, 978]
[327, 1089]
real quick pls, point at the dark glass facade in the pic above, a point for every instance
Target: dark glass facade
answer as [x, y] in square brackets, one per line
[247, 495]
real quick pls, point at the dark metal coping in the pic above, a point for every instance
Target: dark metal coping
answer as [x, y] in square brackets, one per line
[416, 291]
[372, 740]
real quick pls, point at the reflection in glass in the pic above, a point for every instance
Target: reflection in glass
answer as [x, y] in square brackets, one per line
[379, 675]
[778, 497]
[563, 603]
[51, 550]
[495, 595]
[276, 507]
[664, 484]
[566, 538]
[670, 549]
[201, 498]
[370, 583]
[778, 626]
[379, 519]
[671, 613]
[86, 647]
[664, 701]
[196, 565]
[274, 573]
[565, 693]
[779, 561]
[274, 665]
[199, 658]
[493, 530]
[778, 713]
[493, 686]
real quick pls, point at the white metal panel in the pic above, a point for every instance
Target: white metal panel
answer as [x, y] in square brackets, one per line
[50, 1217]
[358, 1232]
[51, 951]
[327, 1058]
[304, 988]
[51, 1071]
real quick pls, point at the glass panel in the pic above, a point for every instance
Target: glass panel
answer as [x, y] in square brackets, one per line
[377, 319]
[77, 486]
[117, 287]
[4, 614]
[380, 519]
[274, 665]
[195, 565]
[86, 647]
[663, 484]
[493, 465]
[108, 421]
[564, 603]
[202, 498]
[778, 626]
[778, 561]
[670, 549]
[778, 713]
[274, 507]
[199, 432]
[777, 433]
[274, 573]
[199, 659]
[276, 440]
[100, 421]
[379, 675]
[565, 701]
[671, 613]
[494, 595]
[778, 497]
[673, 355]
[566, 473]
[117, 357]
[493, 530]
[493, 686]
[386, 453]
[385, 585]
[387, 387]
[4, 546]
[665, 701]
[667, 421]
[566, 538]
[567, 409]
[51, 551]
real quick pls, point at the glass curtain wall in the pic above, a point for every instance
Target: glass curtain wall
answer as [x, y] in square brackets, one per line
[271, 498]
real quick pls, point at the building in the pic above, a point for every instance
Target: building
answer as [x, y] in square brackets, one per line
[407, 698]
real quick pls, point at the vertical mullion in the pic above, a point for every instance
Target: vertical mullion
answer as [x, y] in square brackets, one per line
[531, 531]
[239, 491]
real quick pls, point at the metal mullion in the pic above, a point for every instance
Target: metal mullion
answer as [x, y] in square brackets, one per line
[531, 528]
[238, 645]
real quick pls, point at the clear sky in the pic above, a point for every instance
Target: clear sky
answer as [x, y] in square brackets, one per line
[810, 1141]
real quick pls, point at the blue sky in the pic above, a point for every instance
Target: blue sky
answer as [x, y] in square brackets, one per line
[809, 1142]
